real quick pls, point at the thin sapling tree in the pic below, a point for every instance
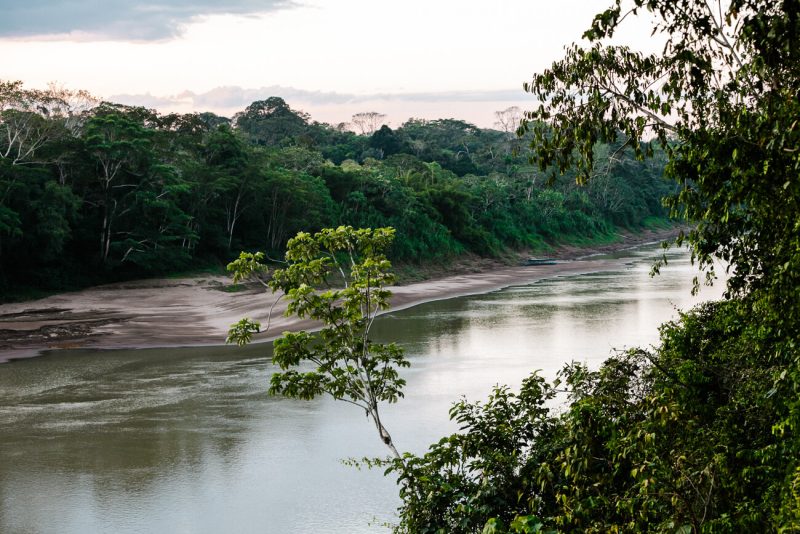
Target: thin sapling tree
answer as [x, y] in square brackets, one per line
[337, 277]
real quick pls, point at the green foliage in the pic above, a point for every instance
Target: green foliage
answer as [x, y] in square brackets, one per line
[679, 439]
[271, 121]
[337, 277]
[721, 102]
[247, 266]
[242, 332]
[454, 144]
[386, 142]
[700, 434]
[112, 192]
[522, 524]
[467, 478]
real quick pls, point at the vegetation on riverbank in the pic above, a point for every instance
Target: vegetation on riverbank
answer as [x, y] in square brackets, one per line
[95, 192]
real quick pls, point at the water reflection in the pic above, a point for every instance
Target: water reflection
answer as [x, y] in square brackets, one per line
[188, 441]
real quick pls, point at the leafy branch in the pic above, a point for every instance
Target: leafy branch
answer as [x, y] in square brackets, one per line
[345, 363]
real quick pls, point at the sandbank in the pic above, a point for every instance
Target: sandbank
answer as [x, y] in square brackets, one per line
[198, 310]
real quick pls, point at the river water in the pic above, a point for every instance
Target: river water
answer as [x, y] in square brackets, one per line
[187, 440]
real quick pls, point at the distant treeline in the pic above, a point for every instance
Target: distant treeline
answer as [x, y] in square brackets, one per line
[93, 192]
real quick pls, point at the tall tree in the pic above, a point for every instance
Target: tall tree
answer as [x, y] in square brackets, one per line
[508, 120]
[119, 143]
[271, 122]
[31, 121]
[386, 142]
[368, 122]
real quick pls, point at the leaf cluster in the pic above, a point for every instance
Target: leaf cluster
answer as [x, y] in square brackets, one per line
[337, 277]
[679, 439]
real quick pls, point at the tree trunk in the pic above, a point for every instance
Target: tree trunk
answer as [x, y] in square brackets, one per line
[383, 433]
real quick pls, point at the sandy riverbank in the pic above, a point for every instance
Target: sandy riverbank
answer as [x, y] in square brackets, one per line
[197, 311]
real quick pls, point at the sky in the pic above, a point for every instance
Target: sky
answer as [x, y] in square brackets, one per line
[428, 59]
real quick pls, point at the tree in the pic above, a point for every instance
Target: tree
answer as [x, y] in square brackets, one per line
[450, 142]
[291, 201]
[700, 434]
[720, 100]
[508, 120]
[348, 365]
[28, 120]
[213, 121]
[120, 146]
[368, 122]
[385, 141]
[271, 122]
[227, 156]
[470, 476]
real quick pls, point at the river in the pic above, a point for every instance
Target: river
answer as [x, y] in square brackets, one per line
[187, 440]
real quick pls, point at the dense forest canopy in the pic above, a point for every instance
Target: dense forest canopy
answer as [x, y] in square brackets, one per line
[94, 191]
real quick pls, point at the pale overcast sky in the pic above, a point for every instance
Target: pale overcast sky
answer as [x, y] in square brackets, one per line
[330, 58]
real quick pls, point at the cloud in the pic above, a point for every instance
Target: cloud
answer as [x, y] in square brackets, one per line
[503, 95]
[477, 107]
[146, 100]
[237, 98]
[134, 20]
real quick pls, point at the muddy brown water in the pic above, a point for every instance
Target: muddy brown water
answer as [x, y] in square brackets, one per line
[187, 440]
